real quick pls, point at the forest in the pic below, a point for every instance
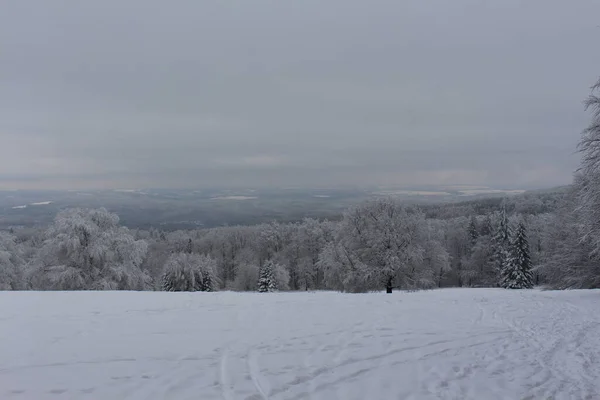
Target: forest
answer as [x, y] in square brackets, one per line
[548, 239]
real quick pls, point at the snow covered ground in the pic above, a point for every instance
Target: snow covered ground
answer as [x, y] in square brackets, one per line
[444, 344]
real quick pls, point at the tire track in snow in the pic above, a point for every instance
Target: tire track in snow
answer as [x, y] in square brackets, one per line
[354, 374]
[378, 361]
[379, 357]
[344, 337]
[308, 364]
[255, 374]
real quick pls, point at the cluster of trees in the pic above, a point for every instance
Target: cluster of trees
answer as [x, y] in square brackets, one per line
[573, 259]
[377, 244]
[511, 255]
[550, 239]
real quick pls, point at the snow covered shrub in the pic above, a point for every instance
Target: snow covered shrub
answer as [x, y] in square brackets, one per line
[186, 272]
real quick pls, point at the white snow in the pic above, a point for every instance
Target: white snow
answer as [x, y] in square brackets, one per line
[41, 203]
[444, 344]
[19, 207]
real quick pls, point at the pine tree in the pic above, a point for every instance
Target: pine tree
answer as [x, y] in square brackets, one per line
[517, 273]
[266, 278]
[501, 245]
[207, 284]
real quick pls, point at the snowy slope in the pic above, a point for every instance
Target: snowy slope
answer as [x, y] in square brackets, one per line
[446, 344]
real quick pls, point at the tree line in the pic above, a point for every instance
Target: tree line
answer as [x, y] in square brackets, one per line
[378, 244]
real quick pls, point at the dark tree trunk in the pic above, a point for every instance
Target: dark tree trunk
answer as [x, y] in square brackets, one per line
[388, 285]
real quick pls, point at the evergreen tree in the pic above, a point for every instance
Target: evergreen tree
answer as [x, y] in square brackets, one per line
[501, 245]
[517, 273]
[266, 278]
[207, 280]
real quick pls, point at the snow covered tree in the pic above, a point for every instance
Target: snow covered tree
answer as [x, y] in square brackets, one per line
[570, 261]
[458, 246]
[487, 228]
[155, 260]
[589, 179]
[186, 272]
[380, 243]
[377, 244]
[435, 255]
[536, 229]
[473, 232]
[517, 271]
[272, 239]
[11, 263]
[208, 282]
[87, 249]
[344, 271]
[246, 278]
[266, 278]
[311, 238]
[501, 243]
[478, 265]
[572, 234]
[587, 185]
[282, 277]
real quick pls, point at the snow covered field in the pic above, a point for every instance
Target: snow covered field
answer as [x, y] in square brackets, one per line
[444, 344]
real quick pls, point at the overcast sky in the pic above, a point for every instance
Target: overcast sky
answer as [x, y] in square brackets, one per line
[154, 93]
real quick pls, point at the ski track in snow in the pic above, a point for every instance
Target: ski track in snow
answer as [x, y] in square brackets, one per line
[226, 386]
[443, 344]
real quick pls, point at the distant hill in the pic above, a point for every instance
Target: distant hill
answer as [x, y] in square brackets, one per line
[171, 209]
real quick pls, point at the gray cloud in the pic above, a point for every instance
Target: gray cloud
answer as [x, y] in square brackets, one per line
[152, 93]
